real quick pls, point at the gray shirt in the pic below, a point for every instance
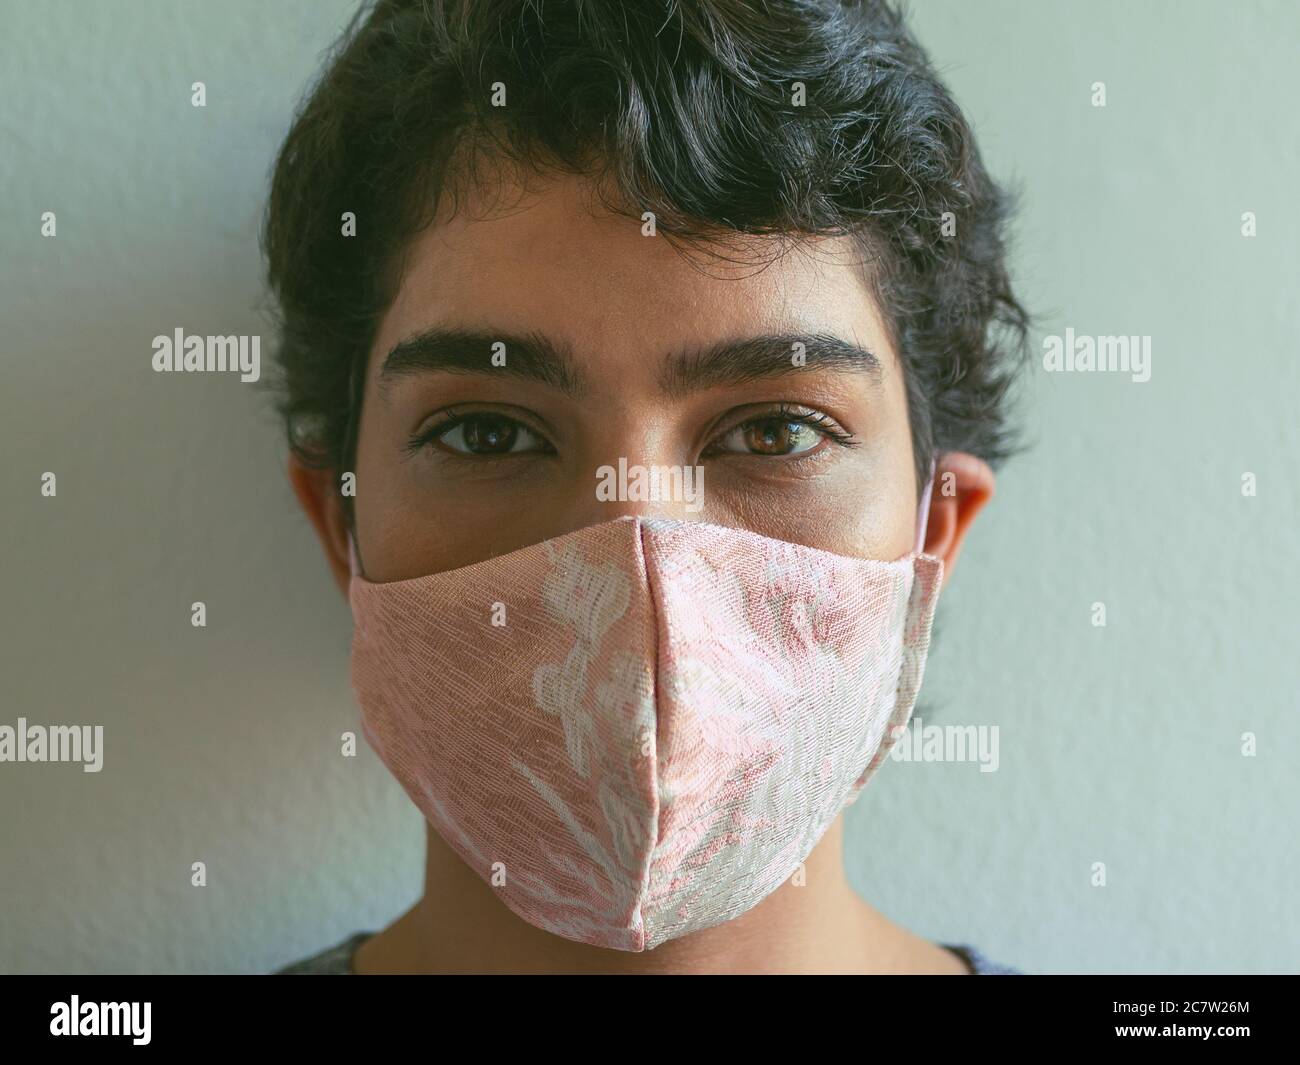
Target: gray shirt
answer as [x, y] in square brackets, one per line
[337, 960]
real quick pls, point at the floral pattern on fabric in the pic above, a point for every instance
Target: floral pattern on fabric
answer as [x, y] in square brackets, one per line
[674, 714]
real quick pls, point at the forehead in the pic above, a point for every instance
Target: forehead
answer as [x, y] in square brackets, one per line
[548, 257]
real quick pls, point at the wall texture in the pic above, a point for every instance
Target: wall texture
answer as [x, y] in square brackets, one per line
[1118, 744]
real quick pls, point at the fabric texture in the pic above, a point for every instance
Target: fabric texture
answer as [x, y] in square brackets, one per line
[337, 960]
[641, 728]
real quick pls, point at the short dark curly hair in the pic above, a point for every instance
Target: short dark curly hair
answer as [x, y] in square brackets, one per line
[687, 108]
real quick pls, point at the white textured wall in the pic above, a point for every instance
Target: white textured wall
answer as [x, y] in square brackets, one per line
[1118, 744]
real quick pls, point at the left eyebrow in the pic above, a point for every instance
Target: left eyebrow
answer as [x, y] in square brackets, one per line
[763, 357]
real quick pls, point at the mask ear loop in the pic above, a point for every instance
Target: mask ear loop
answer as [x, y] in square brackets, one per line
[923, 512]
[354, 562]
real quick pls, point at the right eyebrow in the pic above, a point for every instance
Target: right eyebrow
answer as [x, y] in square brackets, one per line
[531, 356]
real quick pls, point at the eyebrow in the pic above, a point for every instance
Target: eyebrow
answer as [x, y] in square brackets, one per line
[764, 357]
[535, 357]
[531, 357]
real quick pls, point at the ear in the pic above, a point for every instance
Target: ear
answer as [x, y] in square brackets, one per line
[318, 493]
[962, 485]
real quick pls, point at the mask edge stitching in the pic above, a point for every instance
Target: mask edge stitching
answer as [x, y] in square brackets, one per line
[643, 561]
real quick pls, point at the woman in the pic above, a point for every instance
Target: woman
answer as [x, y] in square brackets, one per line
[644, 369]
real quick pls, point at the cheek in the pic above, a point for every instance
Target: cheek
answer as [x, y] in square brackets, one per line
[400, 534]
[411, 525]
[863, 505]
[864, 508]
[404, 533]
[883, 524]
[887, 520]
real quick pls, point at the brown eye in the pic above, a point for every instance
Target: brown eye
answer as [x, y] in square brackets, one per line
[488, 434]
[774, 437]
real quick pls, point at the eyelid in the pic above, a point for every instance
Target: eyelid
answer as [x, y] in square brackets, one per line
[521, 433]
[436, 425]
[458, 411]
[813, 417]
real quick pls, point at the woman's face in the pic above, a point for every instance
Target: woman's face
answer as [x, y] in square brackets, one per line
[617, 347]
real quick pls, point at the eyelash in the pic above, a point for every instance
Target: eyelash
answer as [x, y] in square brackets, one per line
[453, 417]
[814, 419]
[783, 413]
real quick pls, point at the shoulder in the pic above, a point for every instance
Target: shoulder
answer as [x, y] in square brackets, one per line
[979, 964]
[332, 961]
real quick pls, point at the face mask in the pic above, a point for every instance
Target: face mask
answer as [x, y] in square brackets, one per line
[642, 728]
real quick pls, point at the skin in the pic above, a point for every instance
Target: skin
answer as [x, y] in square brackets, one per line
[542, 257]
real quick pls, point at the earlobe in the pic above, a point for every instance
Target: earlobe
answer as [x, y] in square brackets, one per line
[963, 483]
[320, 501]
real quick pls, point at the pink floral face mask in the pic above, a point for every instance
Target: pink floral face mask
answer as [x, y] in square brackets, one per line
[641, 729]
